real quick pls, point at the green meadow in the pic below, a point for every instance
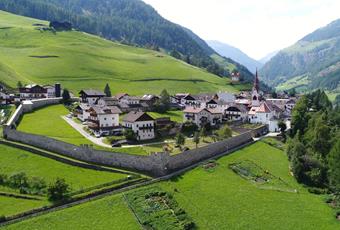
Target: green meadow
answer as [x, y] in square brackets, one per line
[78, 60]
[15, 160]
[218, 198]
[11, 206]
[48, 121]
[215, 197]
[108, 213]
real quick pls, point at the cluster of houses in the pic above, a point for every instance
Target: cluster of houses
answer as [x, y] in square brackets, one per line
[102, 114]
[30, 92]
[252, 107]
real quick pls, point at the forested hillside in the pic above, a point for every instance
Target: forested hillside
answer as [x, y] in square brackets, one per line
[127, 21]
[314, 150]
[32, 52]
[312, 63]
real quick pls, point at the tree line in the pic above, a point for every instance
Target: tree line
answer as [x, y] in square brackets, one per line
[314, 146]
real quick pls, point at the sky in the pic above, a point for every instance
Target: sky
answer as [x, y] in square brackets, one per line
[257, 27]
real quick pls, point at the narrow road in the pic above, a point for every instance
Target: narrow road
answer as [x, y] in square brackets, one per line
[80, 129]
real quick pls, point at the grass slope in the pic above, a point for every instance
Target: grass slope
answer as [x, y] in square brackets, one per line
[11, 206]
[108, 213]
[222, 199]
[14, 160]
[79, 60]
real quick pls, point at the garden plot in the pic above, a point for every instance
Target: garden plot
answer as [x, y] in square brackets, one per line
[262, 178]
[156, 209]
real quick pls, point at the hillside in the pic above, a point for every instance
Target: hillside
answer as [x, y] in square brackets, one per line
[311, 63]
[126, 21]
[79, 60]
[235, 54]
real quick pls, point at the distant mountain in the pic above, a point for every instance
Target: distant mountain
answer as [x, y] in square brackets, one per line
[311, 63]
[127, 21]
[235, 54]
[269, 56]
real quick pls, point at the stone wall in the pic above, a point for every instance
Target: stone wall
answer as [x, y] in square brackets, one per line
[15, 117]
[150, 165]
[25, 107]
[191, 157]
[159, 164]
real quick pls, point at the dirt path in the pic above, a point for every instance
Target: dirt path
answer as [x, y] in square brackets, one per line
[80, 129]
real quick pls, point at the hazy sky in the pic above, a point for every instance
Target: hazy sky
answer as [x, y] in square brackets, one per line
[257, 27]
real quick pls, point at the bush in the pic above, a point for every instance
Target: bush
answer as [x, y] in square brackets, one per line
[58, 191]
[2, 218]
[189, 128]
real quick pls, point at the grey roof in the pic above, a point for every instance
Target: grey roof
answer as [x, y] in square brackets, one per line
[109, 101]
[93, 92]
[106, 109]
[137, 116]
[226, 97]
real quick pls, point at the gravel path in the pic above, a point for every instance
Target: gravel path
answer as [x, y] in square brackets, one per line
[80, 129]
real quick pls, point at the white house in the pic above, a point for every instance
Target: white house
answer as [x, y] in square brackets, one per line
[265, 114]
[236, 112]
[202, 116]
[103, 120]
[141, 124]
[82, 112]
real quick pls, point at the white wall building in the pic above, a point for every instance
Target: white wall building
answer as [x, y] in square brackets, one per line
[103, 119]
[202, 116]
[141, 124]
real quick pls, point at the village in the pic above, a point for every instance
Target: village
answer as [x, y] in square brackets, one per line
[124, 119]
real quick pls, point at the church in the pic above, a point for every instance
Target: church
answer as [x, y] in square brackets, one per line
[262, 111]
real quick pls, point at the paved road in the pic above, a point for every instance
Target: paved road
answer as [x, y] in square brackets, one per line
[80, 129]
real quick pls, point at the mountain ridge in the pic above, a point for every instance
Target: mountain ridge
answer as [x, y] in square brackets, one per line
[236, 54]
[311, 63]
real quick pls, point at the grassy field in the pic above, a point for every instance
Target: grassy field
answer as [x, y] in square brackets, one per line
[298, 83]
[14, 160]
[10, 206]
[218, 198]
[176, 116]
[47, 121]
[215, 198]
[109, 213]
[78, 60]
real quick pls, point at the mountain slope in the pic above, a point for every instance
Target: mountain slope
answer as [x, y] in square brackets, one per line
[311, 63]
[78, 60]
[235, 54]
[127, 21]
[266, 58]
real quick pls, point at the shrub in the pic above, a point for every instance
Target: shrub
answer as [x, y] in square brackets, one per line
[2, 218]
[189, 128]
[58, 191]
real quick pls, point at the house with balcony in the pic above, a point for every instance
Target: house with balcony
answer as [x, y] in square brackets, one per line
[103, 120]
[91, 96]
[142, 124]
[201, 116]
[236, 112]
[33, 91]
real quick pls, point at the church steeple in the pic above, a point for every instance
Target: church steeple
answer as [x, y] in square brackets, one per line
[255, 95]
[256, 82]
